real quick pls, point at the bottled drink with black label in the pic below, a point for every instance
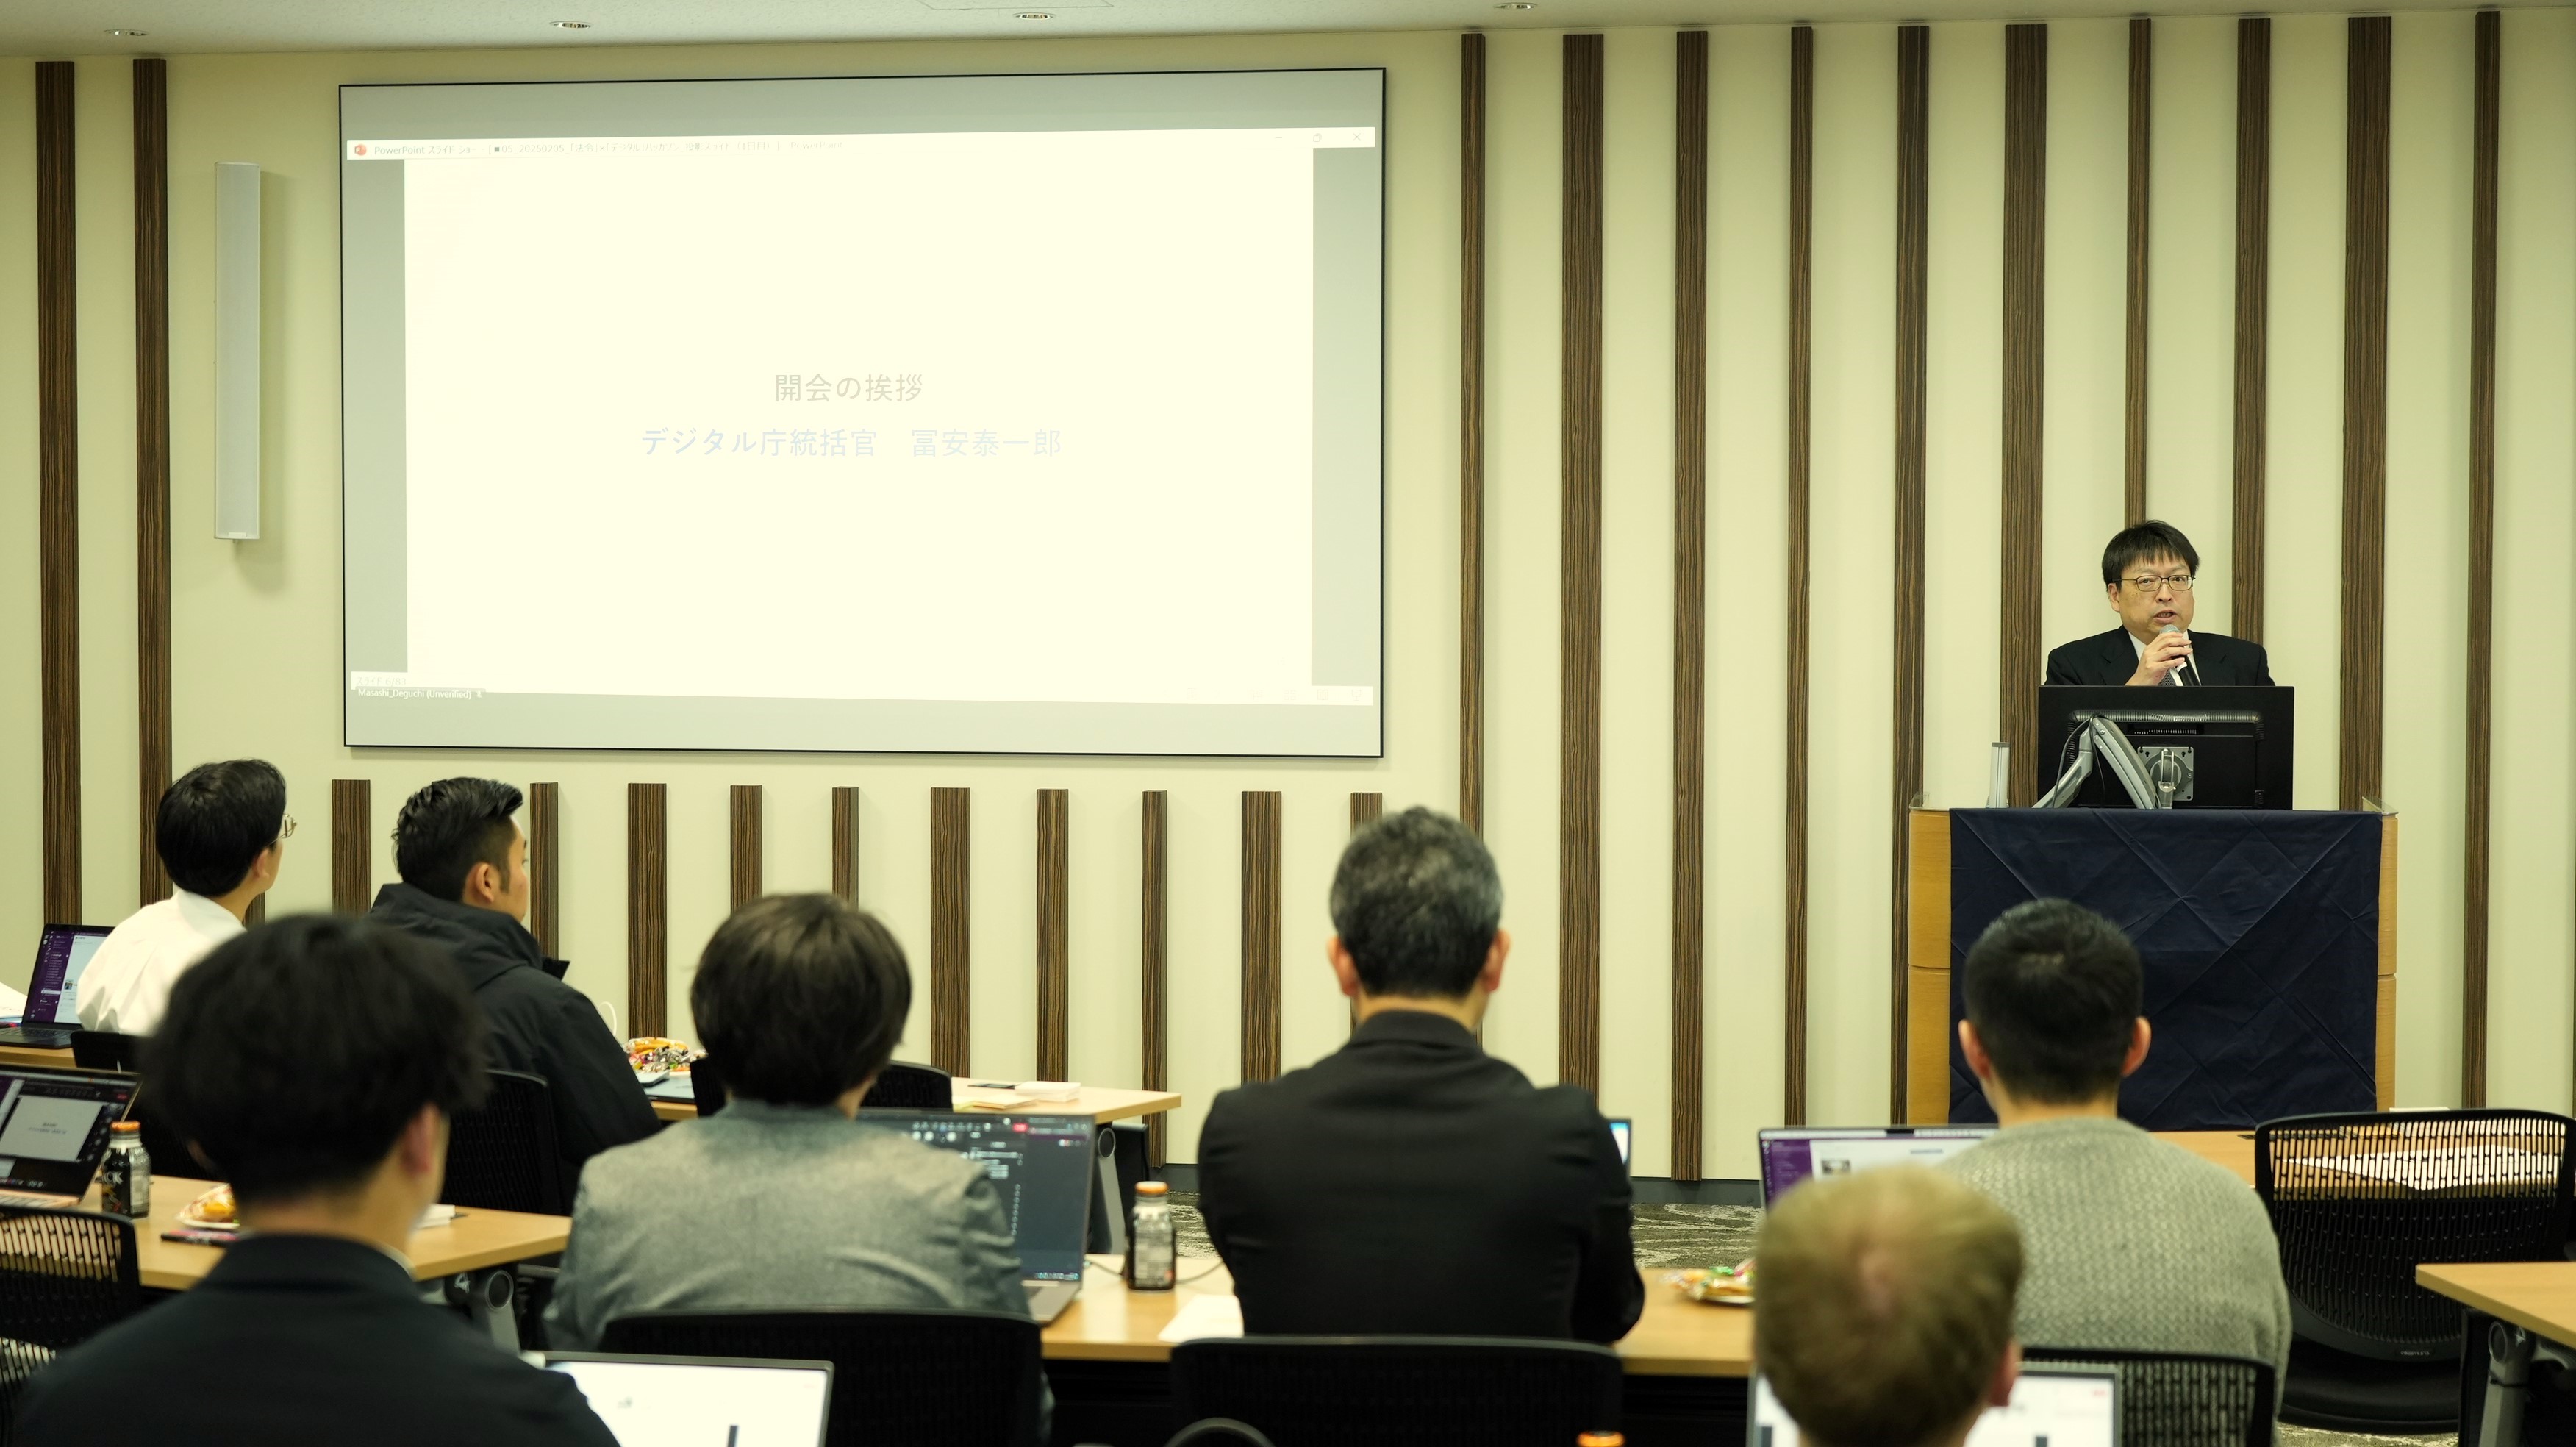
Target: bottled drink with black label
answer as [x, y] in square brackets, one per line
[125, 1179]
[1149, 1239]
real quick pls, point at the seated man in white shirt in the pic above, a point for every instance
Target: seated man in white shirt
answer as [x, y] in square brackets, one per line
[221, 832]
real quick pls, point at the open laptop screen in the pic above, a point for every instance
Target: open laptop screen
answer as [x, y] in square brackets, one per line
[2052, 1406]
[1039, 1164]
[719, 1401]
[1791, 1155]
[53, 991]
[53, 1127]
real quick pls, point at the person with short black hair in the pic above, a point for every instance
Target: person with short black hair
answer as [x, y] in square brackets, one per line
[1410, 1183]
[465, 887]
[800, 999]
[2054, 997]
[315, 1064]
[2150, 573]
[221, 831]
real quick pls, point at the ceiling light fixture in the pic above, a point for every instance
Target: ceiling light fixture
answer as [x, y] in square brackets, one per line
[1035, 15]
[1517, 5]
[572, 24]
[129, 32]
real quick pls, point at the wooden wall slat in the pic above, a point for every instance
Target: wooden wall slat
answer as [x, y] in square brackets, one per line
[1690, 589]
[545, 868]
[2365, 406]
[58, 492]
[2487, 132]
[1055, 938]
[2025, 394]
[1471, 431]
[2142, 70]
[1155, 961]
[1802, 312]
[2253, 322]
[1261, 933]
[353, 846]
[845, 844]
[648, 909]
[1366, 809]
[744, 864]
[1913, 436]
[152, 460]
[951, 937]
[1578, 930]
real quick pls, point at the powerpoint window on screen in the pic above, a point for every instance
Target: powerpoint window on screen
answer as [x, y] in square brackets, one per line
[1024, 414]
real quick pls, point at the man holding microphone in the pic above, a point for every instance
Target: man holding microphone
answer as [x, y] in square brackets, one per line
[2147, 572]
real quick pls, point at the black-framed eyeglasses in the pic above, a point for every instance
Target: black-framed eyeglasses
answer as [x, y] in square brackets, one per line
[2149, 583]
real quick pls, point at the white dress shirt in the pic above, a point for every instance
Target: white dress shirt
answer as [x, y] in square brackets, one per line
[128, 981]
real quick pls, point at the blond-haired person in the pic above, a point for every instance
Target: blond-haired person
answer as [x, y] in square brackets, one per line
[1887, 1308]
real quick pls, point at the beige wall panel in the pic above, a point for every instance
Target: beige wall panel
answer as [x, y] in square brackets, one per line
[2191, 309]
[2081, 443]
[1005, 1040]
[2428, 530]
[1963, 391]
[103, 169]
[2532, 1010]
[22, 781]
[2303, 564]
[1105, 930]
[1748, 409]
[1854, 552]
[1314, 1018]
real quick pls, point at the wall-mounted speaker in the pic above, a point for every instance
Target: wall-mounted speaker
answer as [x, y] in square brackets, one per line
[236, 350]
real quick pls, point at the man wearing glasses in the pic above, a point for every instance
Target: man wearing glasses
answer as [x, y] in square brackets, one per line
[221, 830]
[2147, 573]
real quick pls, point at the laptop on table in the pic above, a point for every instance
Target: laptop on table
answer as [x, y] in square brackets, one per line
[1040, 1165]
[719, 1401]
[54, 1132]
[1793, 1154]
[53, 992]
[2053, 1405]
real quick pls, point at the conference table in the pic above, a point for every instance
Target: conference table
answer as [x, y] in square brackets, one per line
[30, 1055]
[1100, 1103]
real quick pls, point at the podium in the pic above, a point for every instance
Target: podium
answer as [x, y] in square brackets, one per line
[2269, 939]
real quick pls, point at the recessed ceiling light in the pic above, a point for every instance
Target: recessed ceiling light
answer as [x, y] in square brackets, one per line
[1036, 15]
[572, 25]
[1517, 5]
[129, 32]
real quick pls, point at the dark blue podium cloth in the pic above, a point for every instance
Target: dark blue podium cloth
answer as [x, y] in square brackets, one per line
[2260, 933]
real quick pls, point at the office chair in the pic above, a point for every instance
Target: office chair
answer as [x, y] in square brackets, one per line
[2357, 1202]
[2178, 1399]
[706, 1086]
[921, 1378]
[65, 1276]
[503, 1156]
[911, 1087]
[107, 1050]
[1395, 1391]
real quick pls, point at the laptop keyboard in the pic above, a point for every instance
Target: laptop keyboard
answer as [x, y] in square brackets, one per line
[35, 1036]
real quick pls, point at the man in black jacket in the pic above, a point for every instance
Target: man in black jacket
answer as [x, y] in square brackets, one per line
[464, 867]
[2147, 571]
[315, 1063]
[1409, 1183]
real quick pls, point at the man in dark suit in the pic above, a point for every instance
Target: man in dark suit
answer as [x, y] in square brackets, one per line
[2147, 572]
[315, 1064]
[465, 887]
[1409, 1183]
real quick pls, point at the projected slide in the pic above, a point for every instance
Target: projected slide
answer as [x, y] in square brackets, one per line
[978, 414]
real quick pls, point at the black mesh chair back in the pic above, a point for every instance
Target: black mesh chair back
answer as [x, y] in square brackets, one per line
[107, 1050]
[65, 1276]
[2358, 1201]
[2175, 1399]
[706, 1085]
[911, 1087]
[503, 1157]
[921, 1378]
[1396, 1391]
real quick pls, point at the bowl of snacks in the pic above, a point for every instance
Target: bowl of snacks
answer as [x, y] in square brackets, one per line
[657, 1058]
[1717, 1286]
[213, 1211]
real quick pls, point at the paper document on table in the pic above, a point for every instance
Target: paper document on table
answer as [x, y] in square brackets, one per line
[1204, 1316]
[2444, 1167]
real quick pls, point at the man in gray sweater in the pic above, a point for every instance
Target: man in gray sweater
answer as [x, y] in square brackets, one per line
[2133, 1243]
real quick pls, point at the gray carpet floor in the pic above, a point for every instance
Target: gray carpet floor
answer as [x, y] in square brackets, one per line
[1671, 1237]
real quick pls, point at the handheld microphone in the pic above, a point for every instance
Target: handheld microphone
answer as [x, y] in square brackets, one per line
[2186, 662]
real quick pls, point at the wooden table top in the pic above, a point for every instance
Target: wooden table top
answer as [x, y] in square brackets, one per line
[2233, 1149]
[2538, 1296]
[1100, 1103]
[474, 1240]
[29, 1055]
[1676, 1337]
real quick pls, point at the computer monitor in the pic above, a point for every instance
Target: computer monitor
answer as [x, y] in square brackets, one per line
[1791, 1154]
[62, 952]
[719, 1401]
[54, 1127]
[1040, 1165]
[2053, 1405]
[2223, 748]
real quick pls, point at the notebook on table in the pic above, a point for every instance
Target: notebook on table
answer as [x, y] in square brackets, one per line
[1040, 1165]
[53, 991]
[1792, 1154]
[2053, 1405]
[719, 1401]
[54, 1131]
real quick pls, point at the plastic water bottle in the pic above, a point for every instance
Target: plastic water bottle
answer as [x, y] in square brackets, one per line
[125, 1180]
[1149, 1239]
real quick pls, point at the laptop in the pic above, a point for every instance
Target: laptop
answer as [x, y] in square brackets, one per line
[54, 1131]
[2053, 1405]
[1622, 1130]
[53, 992]
[1792, 1154]
[1041, 1166]
[718, 1401]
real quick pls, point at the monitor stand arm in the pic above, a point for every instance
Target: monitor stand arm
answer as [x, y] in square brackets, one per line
[2098, 734]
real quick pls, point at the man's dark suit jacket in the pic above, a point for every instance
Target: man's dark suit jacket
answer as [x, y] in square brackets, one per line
[1411, 1184]
[2110, 658]
[540, 1025]
[302, 1339]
